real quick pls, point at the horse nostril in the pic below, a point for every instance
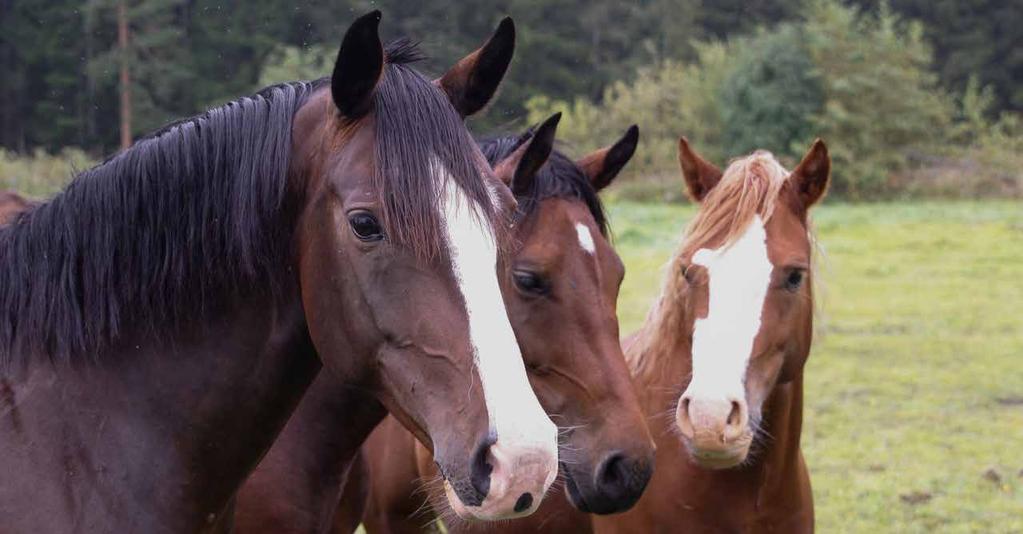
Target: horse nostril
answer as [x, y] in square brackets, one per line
[735, 416]
[620, 482]
[479, 472]
[524, 502]
[683, 419]
[735, 423]
[611, 473]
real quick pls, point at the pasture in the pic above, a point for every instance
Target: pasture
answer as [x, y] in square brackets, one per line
[914, 389]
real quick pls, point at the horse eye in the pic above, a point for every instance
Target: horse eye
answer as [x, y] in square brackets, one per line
[365, 226]
[794, 280]
[530, 282]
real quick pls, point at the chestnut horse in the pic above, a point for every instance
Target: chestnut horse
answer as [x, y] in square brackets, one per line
[11, 205]
[731, 331]
[163, 315]
[561, 291]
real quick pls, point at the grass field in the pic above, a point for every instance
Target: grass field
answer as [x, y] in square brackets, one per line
[914, 420]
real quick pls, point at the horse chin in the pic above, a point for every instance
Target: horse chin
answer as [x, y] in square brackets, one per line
[483, 512]
[719, 457]
[572, 489]
[461, 510]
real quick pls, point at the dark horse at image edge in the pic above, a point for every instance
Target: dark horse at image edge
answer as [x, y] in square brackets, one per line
[162, 316]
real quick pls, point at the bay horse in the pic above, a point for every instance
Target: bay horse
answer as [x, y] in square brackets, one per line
[561, 290]
[297, 485]
[162, 316]
[731, 331]
[11, 205]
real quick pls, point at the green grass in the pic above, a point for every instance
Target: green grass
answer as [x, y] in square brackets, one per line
[915, 382]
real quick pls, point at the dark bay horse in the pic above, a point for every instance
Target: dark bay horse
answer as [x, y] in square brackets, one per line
[11, 205]
[731, 331]
[561, 290]
[297, 485]
[163, 315]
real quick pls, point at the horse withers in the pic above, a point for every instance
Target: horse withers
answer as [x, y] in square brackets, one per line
[164, 314]
[11, 205]
[724, 349]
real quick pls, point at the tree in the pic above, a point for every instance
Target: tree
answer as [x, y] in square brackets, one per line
[771, 96]
[971, 38]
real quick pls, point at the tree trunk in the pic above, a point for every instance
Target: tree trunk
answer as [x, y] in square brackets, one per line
[122, 44]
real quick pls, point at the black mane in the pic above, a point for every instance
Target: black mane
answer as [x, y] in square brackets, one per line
[560, 177]
[160, 232]
[200, 212]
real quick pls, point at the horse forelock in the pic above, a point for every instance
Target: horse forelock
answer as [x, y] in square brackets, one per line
[421, 144]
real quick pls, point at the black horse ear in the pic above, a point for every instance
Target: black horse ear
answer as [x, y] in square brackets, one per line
[472, 82]
[360, 61]
[518, 170]
[602, 166]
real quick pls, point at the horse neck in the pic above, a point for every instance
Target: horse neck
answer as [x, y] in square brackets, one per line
[309, 462]
[779, 460]
[165, 429]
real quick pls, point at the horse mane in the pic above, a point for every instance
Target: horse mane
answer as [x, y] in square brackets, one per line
[559, 177]
[200, 211]
[417, 128]
[749, 187]
[161, 232]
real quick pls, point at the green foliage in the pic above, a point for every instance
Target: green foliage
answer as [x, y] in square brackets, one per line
[984, 157]
[288, 63]
[666, 100]
[772, 95]
[881, 102]
[41, 174]
[857, 80]
[731, 76]
[972, 38]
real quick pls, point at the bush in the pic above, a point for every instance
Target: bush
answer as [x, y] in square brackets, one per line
[666, 100]
[860, 81]
[772, 95]
[881, 101]
[41, 174]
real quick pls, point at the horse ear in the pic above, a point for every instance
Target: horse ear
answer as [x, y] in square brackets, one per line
[518, 170]
[811, 176]
[472, 82]
[701, 176]
[602, 166]
[360, 62]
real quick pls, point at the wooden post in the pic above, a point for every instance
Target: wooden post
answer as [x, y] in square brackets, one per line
[122, 44]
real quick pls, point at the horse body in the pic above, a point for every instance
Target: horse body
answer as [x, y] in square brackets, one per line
[165, 313]
[730, 460]
[151, 444]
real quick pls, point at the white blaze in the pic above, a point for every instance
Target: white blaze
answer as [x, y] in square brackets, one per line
[723, 341]
[515, 413]
[585, 238]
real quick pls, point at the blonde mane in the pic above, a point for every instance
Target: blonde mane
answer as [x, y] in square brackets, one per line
[749, 187]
